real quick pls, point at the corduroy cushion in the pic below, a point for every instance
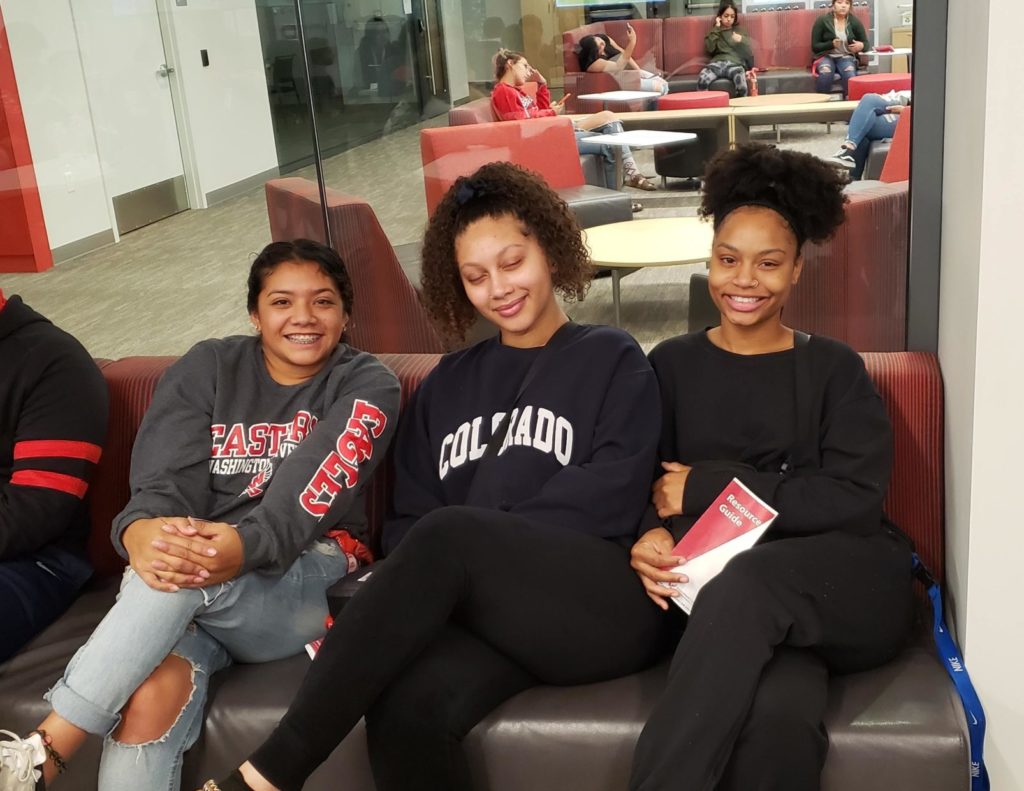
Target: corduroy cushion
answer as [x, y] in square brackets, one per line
[853, 286]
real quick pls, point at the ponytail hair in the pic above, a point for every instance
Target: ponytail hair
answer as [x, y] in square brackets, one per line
[503, 59]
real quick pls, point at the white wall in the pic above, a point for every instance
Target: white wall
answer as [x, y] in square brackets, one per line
[227, 108]
[982, 358]
[53, 97]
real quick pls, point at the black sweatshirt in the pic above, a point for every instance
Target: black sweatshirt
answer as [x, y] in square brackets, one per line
[805, 429]
[53, 422]
[580, 445]
[287, 463]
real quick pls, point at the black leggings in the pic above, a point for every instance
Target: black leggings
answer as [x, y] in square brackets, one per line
[474, 606]
[747, 688]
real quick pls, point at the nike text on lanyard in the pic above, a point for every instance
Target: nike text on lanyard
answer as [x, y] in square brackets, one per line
[954, 663]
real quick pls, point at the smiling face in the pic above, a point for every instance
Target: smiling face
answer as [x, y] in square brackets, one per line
[507, 278]
[300, 317]
[754, 266]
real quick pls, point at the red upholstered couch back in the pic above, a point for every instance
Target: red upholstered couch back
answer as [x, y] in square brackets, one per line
[545, 145]
[854, 285]
[909, 382]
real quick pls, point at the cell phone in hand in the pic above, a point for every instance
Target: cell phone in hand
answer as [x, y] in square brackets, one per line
[881, 111]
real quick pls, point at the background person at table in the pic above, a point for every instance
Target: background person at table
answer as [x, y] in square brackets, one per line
[868, 124]
[599, 53]
[53, 422]
[728, 46]
[797, 419]
[837, 38]
[511, 103]
[507, 550]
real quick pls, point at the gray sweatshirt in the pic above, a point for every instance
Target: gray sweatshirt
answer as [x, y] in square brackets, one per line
[287, 463]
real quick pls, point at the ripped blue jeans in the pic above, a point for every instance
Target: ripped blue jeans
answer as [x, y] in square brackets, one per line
[254, 618]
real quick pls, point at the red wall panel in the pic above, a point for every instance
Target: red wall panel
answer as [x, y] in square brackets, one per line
[24, 246]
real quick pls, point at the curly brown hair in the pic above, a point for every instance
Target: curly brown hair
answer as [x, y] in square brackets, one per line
[806, 191]
[495, 190]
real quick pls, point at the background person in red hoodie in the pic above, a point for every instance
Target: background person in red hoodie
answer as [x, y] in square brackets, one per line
[512, 103]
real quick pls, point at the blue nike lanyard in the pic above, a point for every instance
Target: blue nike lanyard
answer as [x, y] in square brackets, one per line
[954, 663]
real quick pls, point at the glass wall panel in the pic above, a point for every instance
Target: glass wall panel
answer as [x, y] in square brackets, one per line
[215, 97]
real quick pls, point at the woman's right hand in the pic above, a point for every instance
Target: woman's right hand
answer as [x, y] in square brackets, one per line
[166, 553]
[718, 21]
[651, 558]
[630, 35]
[836, 43]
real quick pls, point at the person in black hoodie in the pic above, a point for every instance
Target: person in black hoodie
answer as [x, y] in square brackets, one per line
[799, 422]
[53, 422]
[523, 467]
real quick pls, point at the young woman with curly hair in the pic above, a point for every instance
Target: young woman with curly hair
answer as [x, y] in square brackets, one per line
[522, 466]
[797, 420]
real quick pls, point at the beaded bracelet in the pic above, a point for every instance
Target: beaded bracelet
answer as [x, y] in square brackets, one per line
[54, 756]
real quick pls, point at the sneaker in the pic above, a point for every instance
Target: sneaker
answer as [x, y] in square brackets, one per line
[18, 761]
[844, 157]
[638, 181]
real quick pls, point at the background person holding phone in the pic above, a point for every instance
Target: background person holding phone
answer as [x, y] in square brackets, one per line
[599, 53]
[511, 103]
[728, 46]
[837, 38]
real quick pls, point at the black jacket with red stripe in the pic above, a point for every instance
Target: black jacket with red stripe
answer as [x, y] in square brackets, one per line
[53, 421]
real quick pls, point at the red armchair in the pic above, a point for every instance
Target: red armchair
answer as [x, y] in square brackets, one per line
[387, 316]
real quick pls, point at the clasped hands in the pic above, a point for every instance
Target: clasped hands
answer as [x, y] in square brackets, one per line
[651, 557]
[174, 552]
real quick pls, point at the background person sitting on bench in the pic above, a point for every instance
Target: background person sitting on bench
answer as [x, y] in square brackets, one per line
[512, 103]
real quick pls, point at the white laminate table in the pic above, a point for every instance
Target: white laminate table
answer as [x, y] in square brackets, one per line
[638, 138]
[625, 247]
[619, 96]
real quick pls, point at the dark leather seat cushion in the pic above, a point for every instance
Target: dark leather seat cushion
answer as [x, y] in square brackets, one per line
[897, 727]
[597, 205]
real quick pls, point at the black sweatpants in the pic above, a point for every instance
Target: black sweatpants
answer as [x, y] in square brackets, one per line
[748, 684]
[474, 606]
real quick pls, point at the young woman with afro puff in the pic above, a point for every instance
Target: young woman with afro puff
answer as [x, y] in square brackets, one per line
[795, 418]
[523, 466]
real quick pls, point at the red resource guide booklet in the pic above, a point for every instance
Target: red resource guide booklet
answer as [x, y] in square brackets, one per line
[732, 523]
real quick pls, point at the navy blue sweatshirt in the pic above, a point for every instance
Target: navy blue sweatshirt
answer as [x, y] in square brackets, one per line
[580, 445]
[805, 429]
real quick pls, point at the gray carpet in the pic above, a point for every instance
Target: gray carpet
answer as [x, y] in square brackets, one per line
[169, 285]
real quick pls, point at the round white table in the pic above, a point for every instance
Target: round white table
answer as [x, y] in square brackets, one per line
[625, 247]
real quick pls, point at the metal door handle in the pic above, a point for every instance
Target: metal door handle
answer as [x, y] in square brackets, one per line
[164, 70]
